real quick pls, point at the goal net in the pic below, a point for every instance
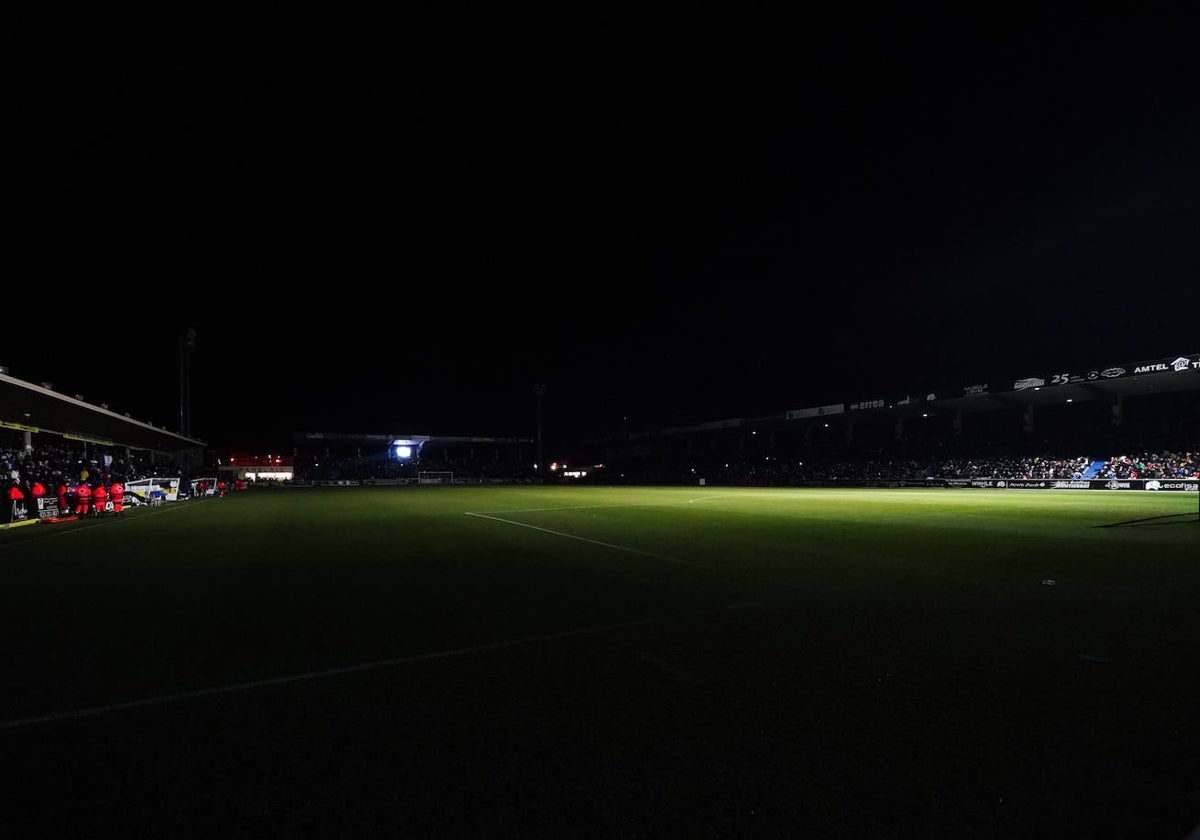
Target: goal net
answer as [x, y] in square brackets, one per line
[433, 477]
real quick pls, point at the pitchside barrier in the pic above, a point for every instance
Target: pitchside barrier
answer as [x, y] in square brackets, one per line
[1153, 484]
[1168, 484]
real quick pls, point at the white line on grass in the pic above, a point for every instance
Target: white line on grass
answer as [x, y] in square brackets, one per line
[95, 523]
[609, 507]
[234, 688]
[613, 546]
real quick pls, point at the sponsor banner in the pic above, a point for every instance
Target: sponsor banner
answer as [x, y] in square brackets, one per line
[1174, 364]
[1186, 485]
[1152, 484]
[1170, 484]
[47, 507]
[886, 482]
[1171, 365]
[816, 411]
[1179, 364]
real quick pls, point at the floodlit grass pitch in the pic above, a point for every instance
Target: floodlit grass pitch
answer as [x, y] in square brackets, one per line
[632, 662]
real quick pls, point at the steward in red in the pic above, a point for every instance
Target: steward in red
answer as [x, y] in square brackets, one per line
[83, 499]
[99, 500]
[16, 502]
[117, 494]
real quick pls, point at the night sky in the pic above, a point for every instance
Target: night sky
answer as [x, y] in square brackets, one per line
[662, 229]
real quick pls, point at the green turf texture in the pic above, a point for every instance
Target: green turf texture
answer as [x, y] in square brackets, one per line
[607, 662]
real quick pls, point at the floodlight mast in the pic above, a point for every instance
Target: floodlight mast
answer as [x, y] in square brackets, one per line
[187, 343]
[539, 391]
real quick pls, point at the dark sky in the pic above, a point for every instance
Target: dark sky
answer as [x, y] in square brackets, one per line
[673, 228]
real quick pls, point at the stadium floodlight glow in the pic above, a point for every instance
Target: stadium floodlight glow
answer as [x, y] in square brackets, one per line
[405, 449]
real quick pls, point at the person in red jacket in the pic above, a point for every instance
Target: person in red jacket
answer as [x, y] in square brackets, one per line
[64, 499]
[99, 500]
[83, 499]
[116, 494]
[16, 503]
[36, 492]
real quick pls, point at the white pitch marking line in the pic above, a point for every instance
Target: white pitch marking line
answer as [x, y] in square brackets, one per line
[233, 688]
[613, 546]
[606, 507]
[46, 535]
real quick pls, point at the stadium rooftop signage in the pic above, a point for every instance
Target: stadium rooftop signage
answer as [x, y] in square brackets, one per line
[36, 408]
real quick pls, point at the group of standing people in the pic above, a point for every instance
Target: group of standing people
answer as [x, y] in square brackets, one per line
[84, 499]
[75, 498]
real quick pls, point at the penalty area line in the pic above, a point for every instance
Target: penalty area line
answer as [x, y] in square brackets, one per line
[378, 664]
[578, 538]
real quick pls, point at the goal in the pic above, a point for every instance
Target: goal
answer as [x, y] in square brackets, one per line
[432, 477]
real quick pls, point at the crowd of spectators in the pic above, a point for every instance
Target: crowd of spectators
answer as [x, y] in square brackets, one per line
[770, 471]
[56, 462]
[1152, 465]
[784, 472]
[52, 465]
[381, 467]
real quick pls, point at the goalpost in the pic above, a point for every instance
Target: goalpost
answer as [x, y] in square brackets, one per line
[435, 477]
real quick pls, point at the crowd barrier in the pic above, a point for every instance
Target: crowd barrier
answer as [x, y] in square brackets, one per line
[1191, 485]
[1152, 484]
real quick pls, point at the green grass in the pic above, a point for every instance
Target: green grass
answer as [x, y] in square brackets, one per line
[599, 662]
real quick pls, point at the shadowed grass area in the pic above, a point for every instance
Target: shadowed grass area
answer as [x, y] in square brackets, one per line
[624, 662]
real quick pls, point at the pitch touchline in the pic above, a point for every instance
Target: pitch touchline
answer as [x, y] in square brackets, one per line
[233, 688]
[613, 546]
[94, 524]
